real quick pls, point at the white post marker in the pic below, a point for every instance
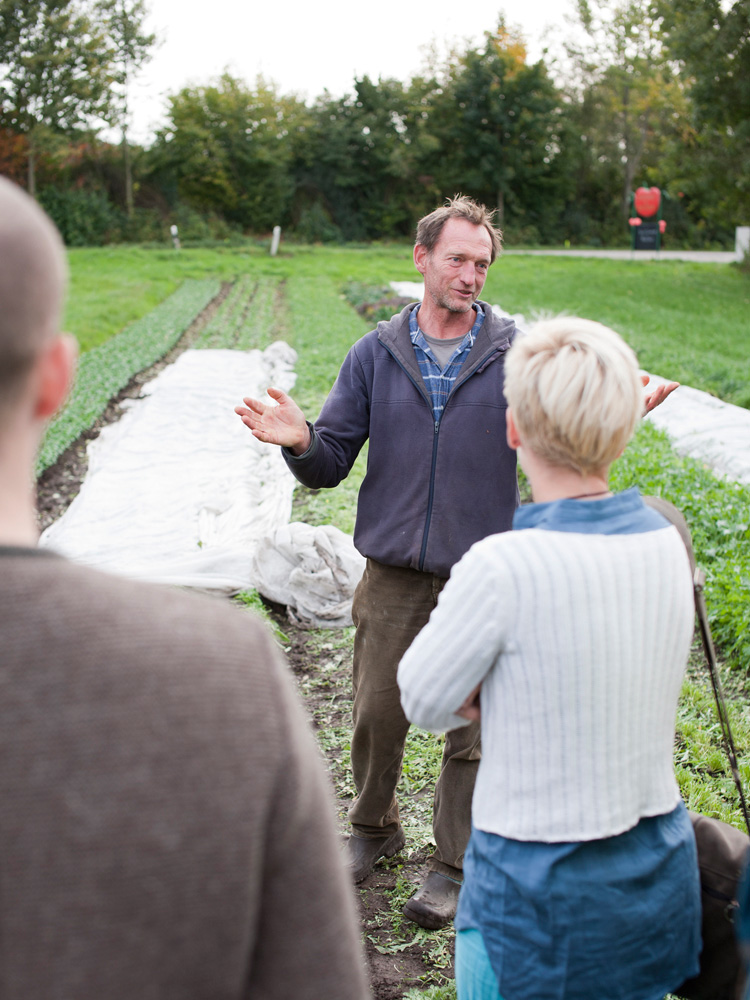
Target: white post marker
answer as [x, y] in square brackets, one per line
[175, 237]
[275, 240]
[742, 242]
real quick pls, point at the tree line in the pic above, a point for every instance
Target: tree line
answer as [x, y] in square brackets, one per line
[653, 92]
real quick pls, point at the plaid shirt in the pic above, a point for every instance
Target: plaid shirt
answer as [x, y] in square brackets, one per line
[439, 381]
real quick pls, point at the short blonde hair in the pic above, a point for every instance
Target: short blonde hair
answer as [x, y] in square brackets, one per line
[574, 388]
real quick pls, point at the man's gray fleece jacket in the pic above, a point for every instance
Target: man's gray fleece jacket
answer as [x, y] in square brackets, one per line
[432, 489]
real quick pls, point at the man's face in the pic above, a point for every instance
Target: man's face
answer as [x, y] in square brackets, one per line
[455, 271]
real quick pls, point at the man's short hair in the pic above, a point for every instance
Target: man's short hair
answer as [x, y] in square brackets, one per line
[575, 391]
[32, 286]
[459, 207]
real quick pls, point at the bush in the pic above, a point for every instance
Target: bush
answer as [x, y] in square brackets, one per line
[199, 229]
[84, 217]
[316, 226]
[145, 226]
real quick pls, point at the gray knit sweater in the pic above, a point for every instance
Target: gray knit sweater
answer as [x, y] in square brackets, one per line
[165, 825]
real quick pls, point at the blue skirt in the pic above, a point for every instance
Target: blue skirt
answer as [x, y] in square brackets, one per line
[618, 917]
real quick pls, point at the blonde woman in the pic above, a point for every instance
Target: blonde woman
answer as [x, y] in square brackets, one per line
[573, 629]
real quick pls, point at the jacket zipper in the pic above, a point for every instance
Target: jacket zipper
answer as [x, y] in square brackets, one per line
[431, 495]
[419, 388]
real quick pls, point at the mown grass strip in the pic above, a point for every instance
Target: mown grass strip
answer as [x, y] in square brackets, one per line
[106, 369]
[686, 321]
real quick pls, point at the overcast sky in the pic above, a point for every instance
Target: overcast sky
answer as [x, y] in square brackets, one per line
[306, 46]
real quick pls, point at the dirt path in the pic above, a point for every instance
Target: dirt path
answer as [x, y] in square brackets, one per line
[401, 956]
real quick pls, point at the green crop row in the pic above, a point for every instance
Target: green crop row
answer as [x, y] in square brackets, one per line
[220, 330]
[105, 370]
[718, 513]
[250, 316]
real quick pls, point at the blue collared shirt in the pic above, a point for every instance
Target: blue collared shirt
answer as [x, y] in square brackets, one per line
[439, 381]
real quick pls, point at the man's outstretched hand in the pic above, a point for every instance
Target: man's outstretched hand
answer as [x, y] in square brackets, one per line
[659, 394]
[282, 424]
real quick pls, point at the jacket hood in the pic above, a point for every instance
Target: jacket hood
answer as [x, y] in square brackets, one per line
[498, 329]
[496, 335]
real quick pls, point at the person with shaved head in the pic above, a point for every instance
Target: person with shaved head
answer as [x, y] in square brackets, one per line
[166, 827]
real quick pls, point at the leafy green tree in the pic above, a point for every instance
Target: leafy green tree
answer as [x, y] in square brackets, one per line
[358, 163]
[131, 47]
[497, 120]
[710, 41]
[53, 70]
[631, 100]
[225, 149]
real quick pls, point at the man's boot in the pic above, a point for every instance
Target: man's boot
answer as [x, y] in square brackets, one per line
[363, 852]
[434, 905]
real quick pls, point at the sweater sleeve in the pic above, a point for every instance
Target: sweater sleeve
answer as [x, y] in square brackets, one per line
[307, 944]
[340, 431]
[459, 645]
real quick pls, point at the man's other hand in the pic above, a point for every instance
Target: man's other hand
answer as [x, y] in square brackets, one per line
[281, 423]
[659, 394]
[471, 709]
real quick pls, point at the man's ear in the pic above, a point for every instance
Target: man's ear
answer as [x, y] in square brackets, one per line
[420, 258]
[511, 431]
[53, 376]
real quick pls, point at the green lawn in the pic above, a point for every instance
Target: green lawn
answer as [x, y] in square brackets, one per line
[113, 286]
[686, 321]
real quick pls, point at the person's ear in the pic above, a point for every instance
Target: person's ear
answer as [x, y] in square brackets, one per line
[55, 369]
[420, 258]
[511, 431]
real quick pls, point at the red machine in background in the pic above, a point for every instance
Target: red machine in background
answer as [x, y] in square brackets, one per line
[646, 223]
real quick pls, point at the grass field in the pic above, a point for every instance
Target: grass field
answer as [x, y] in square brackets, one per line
[686, 321]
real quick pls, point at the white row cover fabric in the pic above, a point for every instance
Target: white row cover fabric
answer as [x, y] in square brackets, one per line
[313, 570]
[706, 428]
[179, 491]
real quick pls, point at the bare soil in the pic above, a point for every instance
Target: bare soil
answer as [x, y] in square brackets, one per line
[400, 955]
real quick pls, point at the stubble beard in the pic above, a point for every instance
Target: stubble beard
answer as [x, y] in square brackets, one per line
[442, 301]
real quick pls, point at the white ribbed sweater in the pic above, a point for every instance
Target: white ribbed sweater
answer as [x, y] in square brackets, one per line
[580, 641]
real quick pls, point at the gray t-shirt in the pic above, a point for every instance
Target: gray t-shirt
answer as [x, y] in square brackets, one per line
[443, 349]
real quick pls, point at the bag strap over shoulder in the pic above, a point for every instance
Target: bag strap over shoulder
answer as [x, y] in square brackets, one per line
[675, 516]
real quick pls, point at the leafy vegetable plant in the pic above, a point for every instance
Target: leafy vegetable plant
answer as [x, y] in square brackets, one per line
[106, 369]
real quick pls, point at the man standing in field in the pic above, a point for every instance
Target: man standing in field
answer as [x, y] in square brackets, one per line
[166, 827]
[426, 389]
